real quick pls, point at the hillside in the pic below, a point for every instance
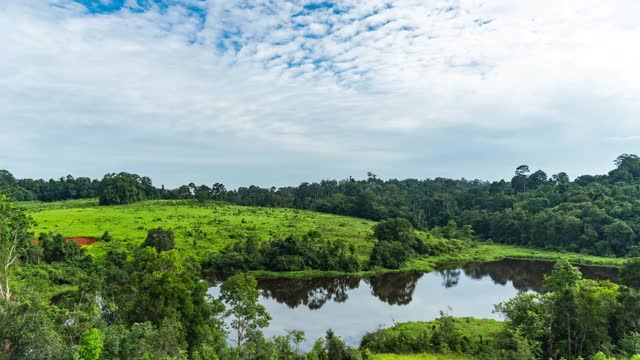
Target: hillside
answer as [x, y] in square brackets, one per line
[201, 229]
[198, 228]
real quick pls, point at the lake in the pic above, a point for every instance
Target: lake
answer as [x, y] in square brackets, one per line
[352, 306]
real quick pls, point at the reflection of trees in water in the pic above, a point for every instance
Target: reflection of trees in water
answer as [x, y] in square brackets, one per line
[313, 292]
[394, 288]
[599, 273]
[450, 277]
[526, 275]
[397, 288]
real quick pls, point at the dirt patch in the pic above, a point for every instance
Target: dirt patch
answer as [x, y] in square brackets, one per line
[82, 240]
[78, 240]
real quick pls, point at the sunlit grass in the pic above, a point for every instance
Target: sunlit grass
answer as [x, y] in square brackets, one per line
[201, 229]
[198, 228]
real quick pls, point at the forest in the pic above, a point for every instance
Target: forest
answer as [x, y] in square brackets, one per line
[592, 215]
[152, 304]
[140, 293]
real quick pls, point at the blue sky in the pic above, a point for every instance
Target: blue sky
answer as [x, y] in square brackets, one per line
[279, 92]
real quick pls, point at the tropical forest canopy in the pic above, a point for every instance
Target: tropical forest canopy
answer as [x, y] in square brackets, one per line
[596, 215]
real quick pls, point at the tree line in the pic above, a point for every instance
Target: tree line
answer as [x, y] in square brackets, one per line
[598, 215]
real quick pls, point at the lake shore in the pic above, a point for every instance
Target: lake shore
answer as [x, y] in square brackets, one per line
[483, 252]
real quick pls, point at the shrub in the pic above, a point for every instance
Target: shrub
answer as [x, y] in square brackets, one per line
[391, 255]
[160, 239]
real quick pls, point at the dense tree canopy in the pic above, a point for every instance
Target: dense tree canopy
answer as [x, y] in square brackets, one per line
[597, 215]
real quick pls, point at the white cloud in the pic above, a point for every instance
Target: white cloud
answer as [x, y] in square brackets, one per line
[358, 83]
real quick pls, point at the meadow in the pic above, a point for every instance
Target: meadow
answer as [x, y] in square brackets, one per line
[203, 228]
[198, 228]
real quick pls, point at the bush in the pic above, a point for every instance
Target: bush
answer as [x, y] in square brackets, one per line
[288, 254]
[57, 249]
[160, 239]
[391, 255]
[106, 237]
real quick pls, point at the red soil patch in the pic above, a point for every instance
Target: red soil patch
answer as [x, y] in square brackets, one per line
[82, 240]
[78, 240]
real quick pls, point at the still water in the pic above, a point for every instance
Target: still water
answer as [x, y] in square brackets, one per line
[352, 306]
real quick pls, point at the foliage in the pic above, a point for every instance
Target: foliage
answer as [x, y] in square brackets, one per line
[14, 242]
[595, 215]
[573, 318]
[160, 239]
[125, 188]
[333, 348]
[391, 255]
[91, 345]
[398, 242]
[28, 330]
[630, 274]
[443, 335]
[55, 248]
[288, 254]
[240, 295]
[213, 226]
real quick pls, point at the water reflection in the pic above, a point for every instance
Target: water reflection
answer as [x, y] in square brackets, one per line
[398, 288]
[352, 306]
[525, 275]
[394, 288]
[313, 292]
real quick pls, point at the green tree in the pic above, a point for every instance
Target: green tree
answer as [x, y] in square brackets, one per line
[297, 336]
[91, 345]
[390, 255]
[619, 235]
[240, 295]
[125, 188]
[563, 276]
[630, 274]
[14, 242]
[526, 325]
[56, 248]
[160, 239]
[538, 179]
[167, 286]
[398, 230]
[27, 329]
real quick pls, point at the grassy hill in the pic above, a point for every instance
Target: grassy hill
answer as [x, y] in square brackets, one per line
[204, 228]
[198, 228]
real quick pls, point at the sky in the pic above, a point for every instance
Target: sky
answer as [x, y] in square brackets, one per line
[274, 92]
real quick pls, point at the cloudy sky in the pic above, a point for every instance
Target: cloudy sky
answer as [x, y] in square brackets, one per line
[278, 92]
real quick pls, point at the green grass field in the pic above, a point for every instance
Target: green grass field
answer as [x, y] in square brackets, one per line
[212, 225]
[204, 228]
[493, 252]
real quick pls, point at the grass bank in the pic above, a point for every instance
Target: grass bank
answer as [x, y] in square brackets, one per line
[417, 340]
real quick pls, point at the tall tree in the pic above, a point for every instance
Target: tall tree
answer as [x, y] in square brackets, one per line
[240, 295]
[160, 239]
[14, 240]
